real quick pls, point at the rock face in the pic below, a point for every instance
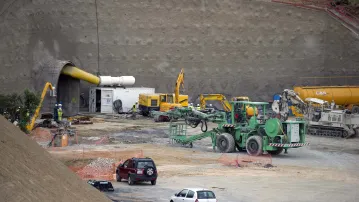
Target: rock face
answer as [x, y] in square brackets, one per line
[29, 173]
[237, 48]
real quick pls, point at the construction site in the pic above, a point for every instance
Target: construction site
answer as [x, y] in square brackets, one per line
[193, 100]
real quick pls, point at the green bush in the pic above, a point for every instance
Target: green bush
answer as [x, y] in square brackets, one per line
[27, 102]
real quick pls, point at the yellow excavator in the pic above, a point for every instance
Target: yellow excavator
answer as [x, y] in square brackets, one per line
[48, 86]
[162, 101]
[226, 105]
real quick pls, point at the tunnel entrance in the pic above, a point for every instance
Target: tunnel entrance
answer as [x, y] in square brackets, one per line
[68, 93]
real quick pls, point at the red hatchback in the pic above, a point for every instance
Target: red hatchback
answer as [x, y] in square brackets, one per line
[137, 170]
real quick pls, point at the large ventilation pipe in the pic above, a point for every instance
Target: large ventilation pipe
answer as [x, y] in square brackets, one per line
[77, 73]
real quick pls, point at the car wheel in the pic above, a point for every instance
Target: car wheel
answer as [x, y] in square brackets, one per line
[130, 182]
[118, 178]
[153, 182]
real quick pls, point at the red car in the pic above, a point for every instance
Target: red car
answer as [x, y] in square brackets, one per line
[137, 170]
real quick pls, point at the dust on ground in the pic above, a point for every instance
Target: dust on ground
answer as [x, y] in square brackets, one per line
[328, 163]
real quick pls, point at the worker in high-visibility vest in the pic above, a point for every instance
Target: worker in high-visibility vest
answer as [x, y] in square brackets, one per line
[134, 111]
[198, 107]
[59, 112]
[191, 105]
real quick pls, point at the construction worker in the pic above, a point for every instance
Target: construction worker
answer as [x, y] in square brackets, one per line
[134, 110]
[59, 112]
[198, 107]
[191, 105]
[55, 112]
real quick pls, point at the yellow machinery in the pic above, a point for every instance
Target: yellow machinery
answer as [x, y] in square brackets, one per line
[163, 102]
[48, 86]
[241, 98]
[226, 105]
[346, 96]
[204, 97]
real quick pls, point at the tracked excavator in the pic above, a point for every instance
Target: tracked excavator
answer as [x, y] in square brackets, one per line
[322, 119]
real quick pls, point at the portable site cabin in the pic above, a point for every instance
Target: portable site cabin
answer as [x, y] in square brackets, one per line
[115, 100]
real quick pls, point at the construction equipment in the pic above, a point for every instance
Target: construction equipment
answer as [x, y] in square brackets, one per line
[322, 120]
[226, 105]
[204, 97]
[257, 134]
[48, 86]
[346, 96]
[282, 102]
[164, 102]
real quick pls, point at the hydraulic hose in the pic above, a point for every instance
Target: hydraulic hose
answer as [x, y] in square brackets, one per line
[204, 123]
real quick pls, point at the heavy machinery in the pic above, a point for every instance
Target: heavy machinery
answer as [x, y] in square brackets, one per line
[256, 135]
[204, 97]
[346, 96]
[48, 86]
[164, 102]
[225, 103]
[322, 119]
[281, 103]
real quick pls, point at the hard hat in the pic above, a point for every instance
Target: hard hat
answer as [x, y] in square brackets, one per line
[60, 105]
[197, 105]
[56, 104]
[210, 105]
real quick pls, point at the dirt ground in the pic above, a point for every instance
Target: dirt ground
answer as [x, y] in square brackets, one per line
[324, 171]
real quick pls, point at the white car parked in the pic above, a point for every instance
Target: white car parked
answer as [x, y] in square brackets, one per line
[194, 195]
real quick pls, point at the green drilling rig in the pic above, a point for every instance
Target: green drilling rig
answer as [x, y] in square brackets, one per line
[256, 134]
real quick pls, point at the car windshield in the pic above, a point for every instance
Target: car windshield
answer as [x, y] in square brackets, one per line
[205, 195]
[143, 164]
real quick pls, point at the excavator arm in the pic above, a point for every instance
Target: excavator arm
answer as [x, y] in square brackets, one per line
[204, 97]
[281, 105]
[30, 125]
[179, 82]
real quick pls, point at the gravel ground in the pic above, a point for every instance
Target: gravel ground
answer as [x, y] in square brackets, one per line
[324, 171]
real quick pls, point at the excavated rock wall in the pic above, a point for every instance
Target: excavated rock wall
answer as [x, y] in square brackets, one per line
[234, 47]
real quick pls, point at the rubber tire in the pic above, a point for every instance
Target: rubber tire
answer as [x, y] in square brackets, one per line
[229, 147]
[153, 182]
[130, 182]
[355, 110]
[276, 152]
[149, 167]
[259, 142]
[118, 178]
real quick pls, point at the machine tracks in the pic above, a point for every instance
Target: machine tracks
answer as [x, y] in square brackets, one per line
[327, 131]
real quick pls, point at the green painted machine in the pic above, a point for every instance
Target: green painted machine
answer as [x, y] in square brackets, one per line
[236, 130]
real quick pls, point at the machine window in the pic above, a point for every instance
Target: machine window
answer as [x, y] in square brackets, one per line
[153, 103]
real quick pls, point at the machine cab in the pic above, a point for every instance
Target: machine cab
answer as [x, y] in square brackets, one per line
[167, 102]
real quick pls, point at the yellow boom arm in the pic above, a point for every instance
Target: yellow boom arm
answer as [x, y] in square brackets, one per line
[179, 82]
[204, 97]
[30, 125]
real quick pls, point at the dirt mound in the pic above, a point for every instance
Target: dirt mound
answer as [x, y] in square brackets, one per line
[29, 173]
